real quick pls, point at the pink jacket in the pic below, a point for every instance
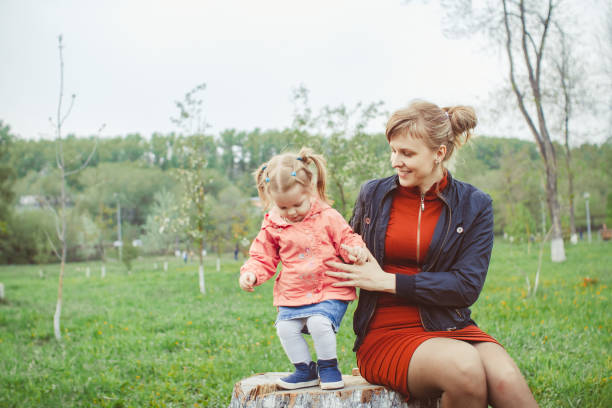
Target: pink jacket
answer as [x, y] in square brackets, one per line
[302, 248]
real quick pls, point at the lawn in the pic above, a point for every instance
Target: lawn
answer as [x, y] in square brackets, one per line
[150, 339]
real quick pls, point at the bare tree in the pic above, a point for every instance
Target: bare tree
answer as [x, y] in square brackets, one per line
[565, 65]
[60, 215]
[532, 27]
[522, 29]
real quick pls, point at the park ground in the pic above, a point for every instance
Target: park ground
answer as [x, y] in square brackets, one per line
[150, 339]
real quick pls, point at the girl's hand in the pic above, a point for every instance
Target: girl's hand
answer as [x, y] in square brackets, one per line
[368, 276]
[356, 254]
[246, 281]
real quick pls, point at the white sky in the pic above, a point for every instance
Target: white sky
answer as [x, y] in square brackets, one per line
[128, 61]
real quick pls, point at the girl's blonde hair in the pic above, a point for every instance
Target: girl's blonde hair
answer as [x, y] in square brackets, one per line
[450, 126]
[284, 171]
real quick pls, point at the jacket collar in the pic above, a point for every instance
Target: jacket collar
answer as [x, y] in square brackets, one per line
[316, 207]
[391, 183]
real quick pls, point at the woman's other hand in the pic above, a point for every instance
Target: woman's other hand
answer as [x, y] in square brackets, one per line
[246, 281]
[368, 276]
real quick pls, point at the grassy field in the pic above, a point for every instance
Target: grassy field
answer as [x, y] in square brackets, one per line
[149, 339]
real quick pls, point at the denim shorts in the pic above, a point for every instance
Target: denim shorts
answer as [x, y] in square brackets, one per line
[332, 309]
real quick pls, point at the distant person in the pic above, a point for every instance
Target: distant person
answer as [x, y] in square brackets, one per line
[236, 250]
[302, 232]
[185, 257]
[431, 238]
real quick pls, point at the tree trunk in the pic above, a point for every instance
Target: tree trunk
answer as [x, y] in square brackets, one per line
[557, 249]
[260, 391]
[201, 270]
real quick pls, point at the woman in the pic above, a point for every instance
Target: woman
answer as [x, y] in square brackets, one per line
[433, 236]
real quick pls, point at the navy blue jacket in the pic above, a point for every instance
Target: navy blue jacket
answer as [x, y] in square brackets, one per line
[454, 270]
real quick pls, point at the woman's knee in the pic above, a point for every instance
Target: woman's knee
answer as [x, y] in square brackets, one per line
[468, 376]
[505, 378]
[448, 366]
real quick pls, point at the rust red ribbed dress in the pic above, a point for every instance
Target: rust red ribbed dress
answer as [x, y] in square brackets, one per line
[395, 331]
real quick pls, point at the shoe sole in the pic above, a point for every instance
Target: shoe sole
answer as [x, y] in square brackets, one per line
[294, 386]
[332, 385]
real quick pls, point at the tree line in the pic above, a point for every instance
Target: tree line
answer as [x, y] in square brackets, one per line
[142, 177]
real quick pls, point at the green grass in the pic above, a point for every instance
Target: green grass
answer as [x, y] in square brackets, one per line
[149, 339]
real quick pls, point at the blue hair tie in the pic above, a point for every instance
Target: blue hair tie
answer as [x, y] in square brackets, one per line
[263, 168]
[293, 173]
[299, 158]
[267, 179]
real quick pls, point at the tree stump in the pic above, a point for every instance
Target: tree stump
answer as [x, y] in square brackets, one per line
[261, 391]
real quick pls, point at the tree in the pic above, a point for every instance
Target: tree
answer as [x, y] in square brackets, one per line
[193, 212]
[337, 133]
[60, 215]
[566, 65]
[7, 178]
[522, 28]
[164, 212]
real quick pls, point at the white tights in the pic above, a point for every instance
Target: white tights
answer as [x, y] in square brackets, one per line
[323, 336]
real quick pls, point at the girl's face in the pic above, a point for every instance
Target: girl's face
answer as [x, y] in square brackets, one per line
[294, 204]
[414, 161]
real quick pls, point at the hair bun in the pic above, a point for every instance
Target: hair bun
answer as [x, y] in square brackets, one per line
[463, 121]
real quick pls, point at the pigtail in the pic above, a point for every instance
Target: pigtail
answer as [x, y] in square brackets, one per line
[307, 156]
[260, 176]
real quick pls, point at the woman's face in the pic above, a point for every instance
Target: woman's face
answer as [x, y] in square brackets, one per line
[414, 161]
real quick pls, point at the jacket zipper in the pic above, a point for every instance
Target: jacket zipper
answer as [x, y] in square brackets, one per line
[421, 210]
[450, 219]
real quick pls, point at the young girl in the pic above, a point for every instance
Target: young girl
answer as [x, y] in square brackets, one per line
[302, 232]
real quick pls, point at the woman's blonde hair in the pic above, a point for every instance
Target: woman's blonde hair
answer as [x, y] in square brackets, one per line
[284, 171]
[450, 126]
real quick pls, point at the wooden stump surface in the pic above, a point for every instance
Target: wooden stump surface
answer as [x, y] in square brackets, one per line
[261, 391]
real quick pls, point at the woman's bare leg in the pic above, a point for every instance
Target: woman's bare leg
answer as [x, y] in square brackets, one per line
[506, 386]
[449, 367]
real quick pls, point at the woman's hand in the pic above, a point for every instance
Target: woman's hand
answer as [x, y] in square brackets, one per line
[368, 276]
[246, 281]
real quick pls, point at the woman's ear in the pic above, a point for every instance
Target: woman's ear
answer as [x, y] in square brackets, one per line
[441, 153]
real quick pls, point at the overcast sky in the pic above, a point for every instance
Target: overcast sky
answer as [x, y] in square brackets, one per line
[128, 61]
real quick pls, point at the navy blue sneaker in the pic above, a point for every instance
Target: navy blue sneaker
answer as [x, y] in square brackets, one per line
[305, 375]
[330, 376]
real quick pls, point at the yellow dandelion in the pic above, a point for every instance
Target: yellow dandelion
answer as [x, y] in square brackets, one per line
[138, 377]
[99, 333]
[105, 322]
[126, 328]
[189, 322]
